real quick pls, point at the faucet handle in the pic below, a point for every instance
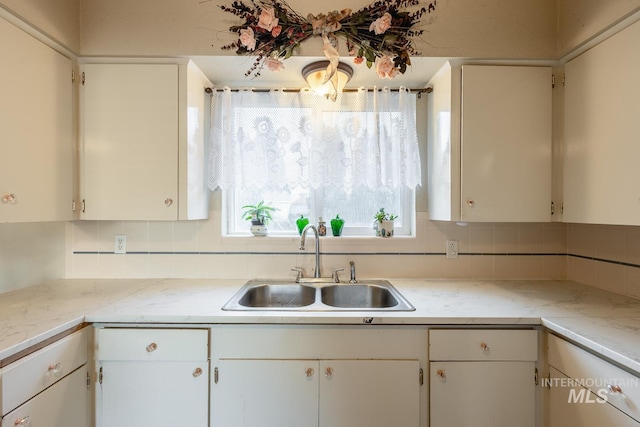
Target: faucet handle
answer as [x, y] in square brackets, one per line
[299, 273]
[335, 274]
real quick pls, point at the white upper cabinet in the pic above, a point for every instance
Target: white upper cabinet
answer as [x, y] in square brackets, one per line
[602, 131]
[142, 151]
[36, 130]
[490, 144]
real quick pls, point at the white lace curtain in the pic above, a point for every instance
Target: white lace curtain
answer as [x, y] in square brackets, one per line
[283, 140]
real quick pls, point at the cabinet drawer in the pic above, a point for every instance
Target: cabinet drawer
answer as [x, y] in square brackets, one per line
[483, 344]
[66, 404]
[153, 344]
[28, 376]
[595, 374]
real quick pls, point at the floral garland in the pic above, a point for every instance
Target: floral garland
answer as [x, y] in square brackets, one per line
[379, 34]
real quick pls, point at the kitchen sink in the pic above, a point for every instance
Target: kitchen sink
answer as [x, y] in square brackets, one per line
[358, 295]
[274, 295]
[278, 296]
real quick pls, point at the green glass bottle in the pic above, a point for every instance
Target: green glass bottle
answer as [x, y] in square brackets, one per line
[301, 223]
[336, 225]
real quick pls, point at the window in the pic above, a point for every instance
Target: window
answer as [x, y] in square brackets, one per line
[308, 156]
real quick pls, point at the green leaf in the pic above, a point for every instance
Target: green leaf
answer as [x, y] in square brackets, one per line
[369, 56]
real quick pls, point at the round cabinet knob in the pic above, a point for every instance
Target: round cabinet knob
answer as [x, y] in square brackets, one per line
[309, 372]
[471, 203]
[23, 422]
[197, 372]
[168, 202]
[328, 372]
[9, 198]
[485, 348]
[440, 373]
[152, 347]
[54, 369]
[615, 389]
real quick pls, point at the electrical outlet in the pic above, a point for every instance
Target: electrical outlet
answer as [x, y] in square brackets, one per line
[120, 244]
[452, 249]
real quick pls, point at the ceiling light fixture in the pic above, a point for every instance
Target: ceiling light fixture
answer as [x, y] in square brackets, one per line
[315, 75]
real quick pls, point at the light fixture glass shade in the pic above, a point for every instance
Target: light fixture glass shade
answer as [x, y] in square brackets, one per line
[315, 74]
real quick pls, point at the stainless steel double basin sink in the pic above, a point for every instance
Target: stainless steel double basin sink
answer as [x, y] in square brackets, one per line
[272, 295]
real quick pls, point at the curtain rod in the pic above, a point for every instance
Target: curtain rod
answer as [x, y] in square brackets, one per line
[419, 91]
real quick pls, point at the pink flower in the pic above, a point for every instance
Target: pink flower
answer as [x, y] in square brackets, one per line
[247, 38]
[274, 64]
[385, 68]
[382, 24]
[275, 32]
[358, 60]
[267, 19]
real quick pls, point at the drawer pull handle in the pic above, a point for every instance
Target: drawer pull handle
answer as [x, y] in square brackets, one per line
[485, 347]
[152, 347]
[168, 202]
[309, 372]
[615, 389]
[440, 373]
[24, 422]
[328, 372]
[197, 372]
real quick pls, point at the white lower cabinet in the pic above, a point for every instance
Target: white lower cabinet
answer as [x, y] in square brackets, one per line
[152, 377]
[578, 407]
[292, 376]
[482, 378]
[326, 393]
[49, 387]
[65, 404]
[586, 391]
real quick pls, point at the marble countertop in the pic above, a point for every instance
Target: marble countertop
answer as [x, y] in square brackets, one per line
[604, 322]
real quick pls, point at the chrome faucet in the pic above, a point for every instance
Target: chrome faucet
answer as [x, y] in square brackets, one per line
[303, 237]
[352, 266]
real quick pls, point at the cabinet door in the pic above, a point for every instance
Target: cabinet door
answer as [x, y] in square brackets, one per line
[129, 156]
[578, 407]
[482, 394]
[265, 393]
[506, 144]
[601, 151]
[159, 394]
[372, 393]
[65, 404]
[35, 130]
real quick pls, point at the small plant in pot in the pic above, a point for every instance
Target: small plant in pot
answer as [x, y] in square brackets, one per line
[260, 216]
[384, 223]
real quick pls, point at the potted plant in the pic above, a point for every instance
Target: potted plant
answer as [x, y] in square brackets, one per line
[260, 216]
[384, 223]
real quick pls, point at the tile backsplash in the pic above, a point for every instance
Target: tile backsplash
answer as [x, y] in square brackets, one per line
[31, 253]
[607, 257]
[197, 249]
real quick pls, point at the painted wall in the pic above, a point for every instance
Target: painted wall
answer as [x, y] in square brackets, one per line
[57, 19]
[492, 28]
[579, 21]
